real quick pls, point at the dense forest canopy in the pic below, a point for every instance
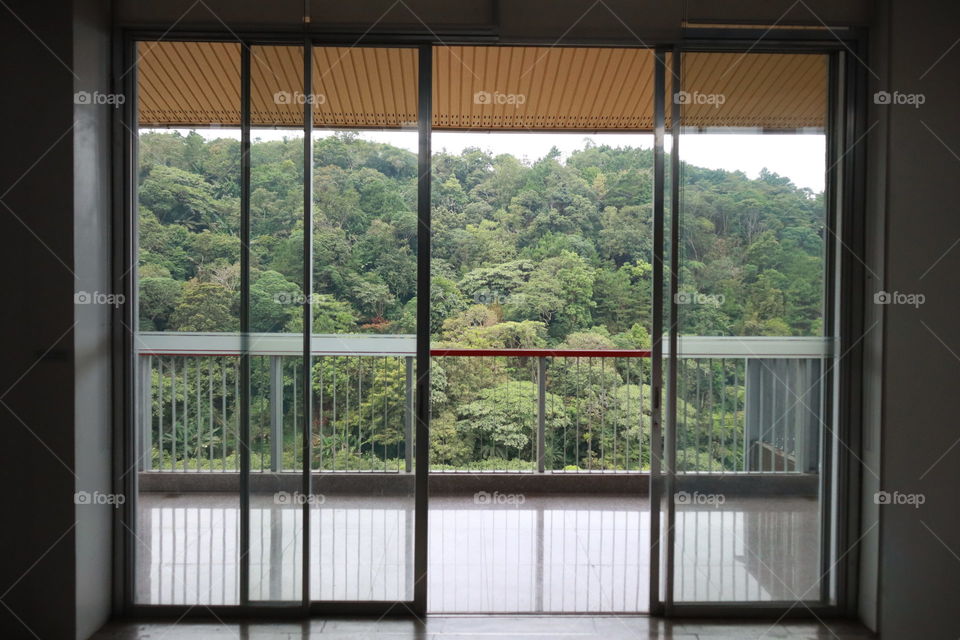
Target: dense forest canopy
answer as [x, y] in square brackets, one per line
[553, 253]
[549, 253]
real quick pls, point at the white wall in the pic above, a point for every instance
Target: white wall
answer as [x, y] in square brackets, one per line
[919, 547]
[91, 336]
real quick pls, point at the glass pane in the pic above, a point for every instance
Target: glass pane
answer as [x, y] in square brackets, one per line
[276, 342]
[364, 327]
[187, 284]
[542, 283]
[750, 312]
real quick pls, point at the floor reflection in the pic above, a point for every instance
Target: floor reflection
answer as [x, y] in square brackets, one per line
[757, 549]
[548, 554]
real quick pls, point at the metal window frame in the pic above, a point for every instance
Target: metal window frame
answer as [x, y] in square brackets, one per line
[657, 440]
[125, 218]
[844, 278]
[847, 117]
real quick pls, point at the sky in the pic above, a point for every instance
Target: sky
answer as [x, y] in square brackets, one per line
[800, 157]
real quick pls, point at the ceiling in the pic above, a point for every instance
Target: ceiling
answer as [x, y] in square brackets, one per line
[489, 88]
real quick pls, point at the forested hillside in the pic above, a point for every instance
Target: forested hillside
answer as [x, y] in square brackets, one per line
[553, 253]
[546, 253]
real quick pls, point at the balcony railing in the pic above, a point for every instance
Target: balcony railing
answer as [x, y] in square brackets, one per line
[744, 405]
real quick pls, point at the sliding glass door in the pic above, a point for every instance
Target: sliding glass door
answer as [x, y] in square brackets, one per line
[184, 534]
[273, 348]
[277, 341]
[365, 241]
[646, 318]
[333, 276]
[750, 331]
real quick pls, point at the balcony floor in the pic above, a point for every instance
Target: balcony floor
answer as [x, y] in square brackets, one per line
[557, 553]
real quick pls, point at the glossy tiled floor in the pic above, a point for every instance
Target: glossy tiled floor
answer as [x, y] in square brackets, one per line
[490, 628]
[545, 554]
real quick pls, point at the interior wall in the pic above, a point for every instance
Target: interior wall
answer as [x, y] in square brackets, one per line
[920, 546]
[872, 384]
[91, 337]
[624, 21]
[912, 183]
[36, 319]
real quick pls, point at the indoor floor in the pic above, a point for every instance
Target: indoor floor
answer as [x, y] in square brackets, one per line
[493, 628]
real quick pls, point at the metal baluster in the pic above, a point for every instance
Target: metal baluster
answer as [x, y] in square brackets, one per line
[276, 413]
[320, 410]
[794, 377]
[145, 411]
[541, 413]
[236, 414]
[210, 410]
[173, 414]
[359, 408]
[185, 417]
[297, 452]
[774, 419]
[590, 376]
[627, 421]
[160, 410]
[640, 433]
[186, 414]
[408, 416]
[699, 422]
[802, 384]
[736, 409]
[603, 418]
[553, 433]
[723, 409]
[786, 424]
[223, 413]
[386, 378]
[346, 418]
[576, 447]
[686, 405]
[760, 424]
[563, 457]
[199, 413]
[260, 429]
[711, 423]
[479, 457]
[333, 425]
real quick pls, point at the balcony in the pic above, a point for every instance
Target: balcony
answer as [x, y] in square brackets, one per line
[539, 485]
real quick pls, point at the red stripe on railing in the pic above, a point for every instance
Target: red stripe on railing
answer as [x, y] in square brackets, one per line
[545, 353]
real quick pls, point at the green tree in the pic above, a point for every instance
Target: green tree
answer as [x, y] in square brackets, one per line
[158, 299]
[205, 306]
[274, 300]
